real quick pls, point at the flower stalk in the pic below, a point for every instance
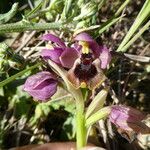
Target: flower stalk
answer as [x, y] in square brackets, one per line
[81, 130]
[25, 26]
[13, 77]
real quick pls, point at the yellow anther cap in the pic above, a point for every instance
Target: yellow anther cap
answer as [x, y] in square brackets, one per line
[85, 47]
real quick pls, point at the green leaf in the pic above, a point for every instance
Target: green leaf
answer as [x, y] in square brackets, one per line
[9, 58]
[101, 3]
[122, 7]
[87, 10]
[108, 24]
[97, 103]
[84, 29]
[7, 16]
[62, 99]
[101, 114]
[68, 129]
[42, 110]
[21, 26]
[136, 36]
[36, 9]
[10, 79]
[67, 9]
[140, 19]
[1, 92]
[5, 50]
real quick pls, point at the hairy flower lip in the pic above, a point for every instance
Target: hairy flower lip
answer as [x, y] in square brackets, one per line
[92, 82]
[41, 86]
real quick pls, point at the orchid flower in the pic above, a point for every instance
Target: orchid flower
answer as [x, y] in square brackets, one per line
[89, 45]
[85, 59]
[84, 62]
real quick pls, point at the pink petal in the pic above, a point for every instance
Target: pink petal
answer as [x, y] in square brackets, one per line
[105, 57]
[92, 43]
[41, 86]
[53, 38]
[53, 54]
[44, 93]
[126, 118]
[84, 37]
[68, 57]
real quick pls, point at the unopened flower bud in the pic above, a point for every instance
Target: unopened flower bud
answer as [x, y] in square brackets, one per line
[41, 86]
[87, 10]
[127, 118]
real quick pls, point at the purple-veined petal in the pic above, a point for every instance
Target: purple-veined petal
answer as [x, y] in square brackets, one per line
[92, 43]
[96, 49]
[127, 113]
[35, 80]
[46, 92]
[53, 54]
[53, 38]
[105, 57]
[41, 86]
[84, 37]
[126, 118]
[76, 46]
[68, 57]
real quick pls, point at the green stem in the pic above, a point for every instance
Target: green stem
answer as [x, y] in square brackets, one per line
[22, 26]
[122, 7]
[81, 131]
[10, 79]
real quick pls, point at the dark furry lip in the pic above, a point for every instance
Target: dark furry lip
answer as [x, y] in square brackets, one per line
[85, 70]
